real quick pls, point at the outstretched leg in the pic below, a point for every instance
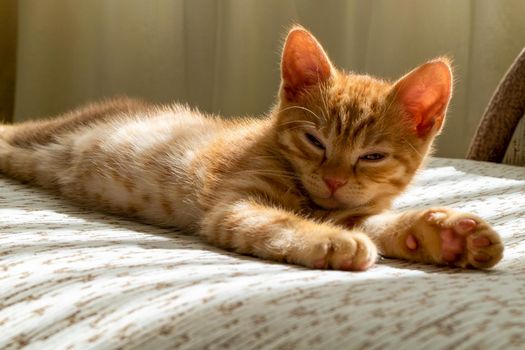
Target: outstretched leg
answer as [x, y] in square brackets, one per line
[249, 227]
[437, 235]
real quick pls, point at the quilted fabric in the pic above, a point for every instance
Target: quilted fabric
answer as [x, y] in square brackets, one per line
[75, 279]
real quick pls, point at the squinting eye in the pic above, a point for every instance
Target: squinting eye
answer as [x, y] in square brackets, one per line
[372, 157]
[314, 141]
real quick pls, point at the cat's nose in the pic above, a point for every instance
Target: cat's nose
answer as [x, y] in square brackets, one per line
[334, 183]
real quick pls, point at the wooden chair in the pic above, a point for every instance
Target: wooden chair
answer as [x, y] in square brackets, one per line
[500, 136]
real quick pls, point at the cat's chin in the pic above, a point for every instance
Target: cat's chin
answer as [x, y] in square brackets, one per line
[328, 203]
[335, 204]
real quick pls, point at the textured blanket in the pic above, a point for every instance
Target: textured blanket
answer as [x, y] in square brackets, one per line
[75, 279]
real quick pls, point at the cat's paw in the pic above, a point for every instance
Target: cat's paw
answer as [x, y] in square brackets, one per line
[340, 250]
[445, 236]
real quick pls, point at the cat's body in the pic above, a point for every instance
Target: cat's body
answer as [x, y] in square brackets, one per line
[112, 164]
[303, 185]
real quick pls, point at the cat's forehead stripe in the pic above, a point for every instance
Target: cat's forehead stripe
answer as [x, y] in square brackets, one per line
[360, 127]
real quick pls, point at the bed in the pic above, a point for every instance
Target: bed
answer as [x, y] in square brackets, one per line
[75, 279]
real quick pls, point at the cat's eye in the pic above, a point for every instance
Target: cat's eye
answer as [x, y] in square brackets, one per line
[314, 141]
[373, 157]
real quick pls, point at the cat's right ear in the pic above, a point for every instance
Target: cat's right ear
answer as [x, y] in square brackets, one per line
[304, 63]
[424, 94]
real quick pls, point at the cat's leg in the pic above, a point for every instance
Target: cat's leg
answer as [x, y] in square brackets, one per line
[249, 227]
[437, 235]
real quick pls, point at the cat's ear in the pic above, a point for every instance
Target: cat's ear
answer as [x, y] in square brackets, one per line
[424, 94]
[304, 63]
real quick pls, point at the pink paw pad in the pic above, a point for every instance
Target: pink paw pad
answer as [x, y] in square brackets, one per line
[364, 266]
[481, 242]
[465, 225]
[481, 257]
[411, 242]
[452, 245]
[346, 265]
[320, 264]
[454, 238]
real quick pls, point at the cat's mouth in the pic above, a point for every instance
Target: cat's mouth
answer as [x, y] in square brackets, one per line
[334, 203]
[326, 203]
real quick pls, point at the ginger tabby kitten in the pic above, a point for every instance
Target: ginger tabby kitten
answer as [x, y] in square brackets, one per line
[306, 185]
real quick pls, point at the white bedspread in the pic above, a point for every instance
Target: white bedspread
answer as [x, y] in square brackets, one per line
[74, 279]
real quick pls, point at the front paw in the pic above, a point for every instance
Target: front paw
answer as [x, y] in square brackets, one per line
[445, 236]
[339, 250]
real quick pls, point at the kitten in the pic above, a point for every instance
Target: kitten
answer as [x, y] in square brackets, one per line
[306, 185]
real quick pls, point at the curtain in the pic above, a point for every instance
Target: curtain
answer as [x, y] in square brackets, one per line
[8, 21]
[222, 56]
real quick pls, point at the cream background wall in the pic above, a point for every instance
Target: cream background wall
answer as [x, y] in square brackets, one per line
[223, 55]
[8, 26]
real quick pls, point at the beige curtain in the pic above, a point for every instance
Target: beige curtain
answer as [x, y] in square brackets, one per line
[8, 26]
[223, 55]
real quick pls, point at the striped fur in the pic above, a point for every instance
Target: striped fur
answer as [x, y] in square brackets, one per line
[250, 185]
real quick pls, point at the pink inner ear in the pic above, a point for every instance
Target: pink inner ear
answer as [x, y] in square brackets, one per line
[424, 93]
[304, 63]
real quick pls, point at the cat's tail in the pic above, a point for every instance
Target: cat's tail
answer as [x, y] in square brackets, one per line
[3, 141]
[5, 149]
[15, 161]
[3, 129]
[35, 163]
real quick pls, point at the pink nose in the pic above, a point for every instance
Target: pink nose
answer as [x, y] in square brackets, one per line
[334, 183]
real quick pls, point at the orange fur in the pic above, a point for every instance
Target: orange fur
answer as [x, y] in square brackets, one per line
[298, 186]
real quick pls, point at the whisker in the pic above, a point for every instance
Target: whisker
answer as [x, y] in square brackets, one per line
[295, 127]
[265, 157]
[412, 146]
[304, 109]
[325, 104]
[387, 108]
[271, 172]
[298, 122]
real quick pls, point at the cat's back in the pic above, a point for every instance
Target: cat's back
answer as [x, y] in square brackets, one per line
[119, 115]
[118, 129]
[131, 157]
[151, 161]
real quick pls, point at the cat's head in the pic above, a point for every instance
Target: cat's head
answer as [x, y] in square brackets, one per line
[355, 141]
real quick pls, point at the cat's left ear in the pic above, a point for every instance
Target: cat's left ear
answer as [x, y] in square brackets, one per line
[424, 94]
[304, 63]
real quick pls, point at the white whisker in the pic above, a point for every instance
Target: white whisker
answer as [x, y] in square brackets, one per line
[304, 109]
[411, 146]
[325, 104]
[298, 122]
